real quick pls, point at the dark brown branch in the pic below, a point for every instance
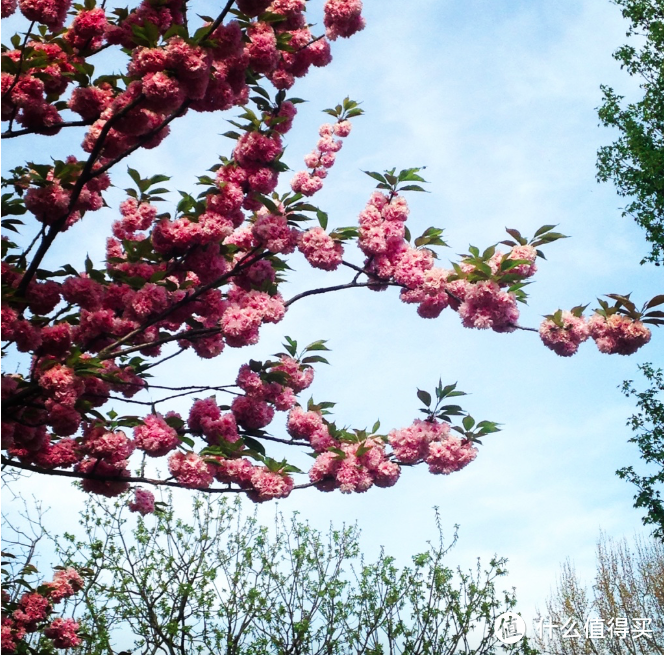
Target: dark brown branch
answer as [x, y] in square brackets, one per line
[245, 262]
[83, 178]
[136, 479]
[145, 137]
[12, 134]
[219, 20]
[526, 329]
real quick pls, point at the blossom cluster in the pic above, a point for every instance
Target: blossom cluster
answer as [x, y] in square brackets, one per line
[162, 79]
[431, 441]
[613, 334]
[481, 302]
[31, 611]
[321, 159]
[355, 468]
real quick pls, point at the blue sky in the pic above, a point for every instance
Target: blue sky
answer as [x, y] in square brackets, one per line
[497, 99]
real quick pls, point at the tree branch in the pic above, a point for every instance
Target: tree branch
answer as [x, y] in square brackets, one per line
[6, 461]
[12, 134]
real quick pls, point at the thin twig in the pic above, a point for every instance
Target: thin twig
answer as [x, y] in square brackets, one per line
[337, 287]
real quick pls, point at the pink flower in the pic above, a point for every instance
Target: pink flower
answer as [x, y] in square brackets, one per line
[51, 13]
[342, 128]
[60, 454]
[262, 180]
[269, 484]
[43, 296]
[486, 306]
[320, 250]
[48, 203]
[262, 48]
[143, 502]
[164, 93]
[237, 471]
[62, 384]
[329, 145]
[288, 111]
[323, 472]
[523, 252]
[396, 209]
[253, 7]
[618, 334]
[63, 633]
[274, 233]
[66, 583]
[155, 437]
[564, 340]
[32, 608]
[87, 30]
[411, 266]
[84, 292]
[252, 413]
[386, 474]
[240, 325]
[190, 470]
[411, 444]
[249, 380]
[302, 424]
[343, 18]
[306, 184]
[256, 148]
[111, 446]
[299, 378]
[206, 418]
[115, 470]
[352, 477]
[8, 8]
[63, 419]
[450, 455]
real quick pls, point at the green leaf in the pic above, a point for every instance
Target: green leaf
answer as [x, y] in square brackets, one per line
[317, 345]
[254, 444]
[375, 176]
[315, 358]
[424, 396]
[412, 187]
[543, 229]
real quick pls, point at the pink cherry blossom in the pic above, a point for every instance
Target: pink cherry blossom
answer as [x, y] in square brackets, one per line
[143, 502]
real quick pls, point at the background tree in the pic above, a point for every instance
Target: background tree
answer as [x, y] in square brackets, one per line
[648, 424]
[628, 586]
[635, 161]
[218, 582]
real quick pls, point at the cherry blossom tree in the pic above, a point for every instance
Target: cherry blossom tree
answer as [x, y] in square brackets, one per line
[209, 273]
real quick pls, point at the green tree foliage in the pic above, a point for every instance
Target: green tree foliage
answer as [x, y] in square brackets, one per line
[221, 583]
[648, 424]
[635, 161]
